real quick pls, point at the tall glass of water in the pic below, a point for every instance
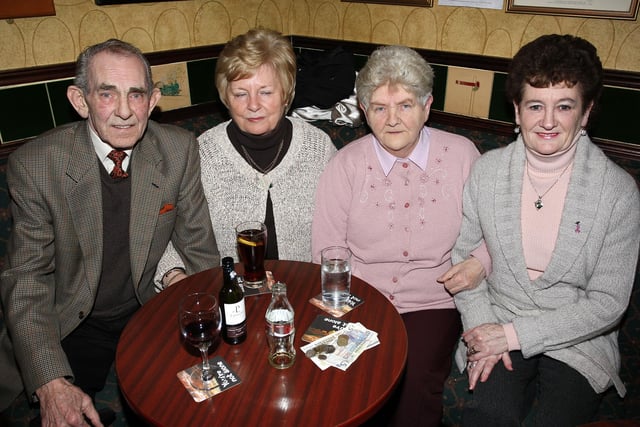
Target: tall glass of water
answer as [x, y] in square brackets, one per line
[335, 276]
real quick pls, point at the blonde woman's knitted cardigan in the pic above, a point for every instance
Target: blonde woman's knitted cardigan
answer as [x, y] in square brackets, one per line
[236, 192]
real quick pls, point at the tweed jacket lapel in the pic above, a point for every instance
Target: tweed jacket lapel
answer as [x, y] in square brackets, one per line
[146, 199]
[83, 189]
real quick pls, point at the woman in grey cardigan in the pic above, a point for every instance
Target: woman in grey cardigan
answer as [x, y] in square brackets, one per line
[562, 225]
[260, 165]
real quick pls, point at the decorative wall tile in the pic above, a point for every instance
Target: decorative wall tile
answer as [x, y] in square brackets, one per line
[468, 92]
[439, 86]
[173, 82]
[500, 109]
[357, 22]
[172, 31]
[13, 49]
[139, 38]
[204, 32]
[95, 27]
[202, 86]
[417, 29]
[53, 43]
[617, 115]
[465, 30]
[62, 110]
[26, 112]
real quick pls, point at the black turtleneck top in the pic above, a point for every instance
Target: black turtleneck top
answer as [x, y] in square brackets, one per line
[264, 153]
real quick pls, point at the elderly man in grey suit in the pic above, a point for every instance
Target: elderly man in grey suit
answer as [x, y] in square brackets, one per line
[94, 204]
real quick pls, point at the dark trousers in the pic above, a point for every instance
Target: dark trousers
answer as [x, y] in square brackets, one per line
[432, 335]
[91, 350]
[548, 391]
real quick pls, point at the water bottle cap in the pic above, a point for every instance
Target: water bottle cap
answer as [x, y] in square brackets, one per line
[279, 287]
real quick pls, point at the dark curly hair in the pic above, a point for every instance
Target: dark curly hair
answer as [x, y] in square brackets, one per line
[553, 59]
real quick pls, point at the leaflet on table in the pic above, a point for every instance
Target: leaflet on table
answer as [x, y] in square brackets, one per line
[224, 378]
[341, 348]
[322, 326]
[352, 303]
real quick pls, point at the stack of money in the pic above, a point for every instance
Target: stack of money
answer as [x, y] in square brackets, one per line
[341, 348]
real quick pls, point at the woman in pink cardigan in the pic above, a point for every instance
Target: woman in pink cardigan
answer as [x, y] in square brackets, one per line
[394, 197]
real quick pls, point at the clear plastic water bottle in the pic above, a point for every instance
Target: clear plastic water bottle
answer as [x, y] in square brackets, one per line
[280, 329]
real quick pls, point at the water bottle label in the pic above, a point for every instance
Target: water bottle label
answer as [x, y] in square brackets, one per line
[280, 329]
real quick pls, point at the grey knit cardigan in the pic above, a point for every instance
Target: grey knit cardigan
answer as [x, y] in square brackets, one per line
[572, 312]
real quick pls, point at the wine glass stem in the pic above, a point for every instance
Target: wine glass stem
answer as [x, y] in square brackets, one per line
[206, 368]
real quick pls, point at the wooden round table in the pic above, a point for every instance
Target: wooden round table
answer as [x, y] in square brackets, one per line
[151, 352]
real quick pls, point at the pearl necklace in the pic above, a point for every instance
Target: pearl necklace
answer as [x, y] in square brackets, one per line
[538, 203]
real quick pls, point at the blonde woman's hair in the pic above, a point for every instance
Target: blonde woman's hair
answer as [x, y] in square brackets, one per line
[245, 54]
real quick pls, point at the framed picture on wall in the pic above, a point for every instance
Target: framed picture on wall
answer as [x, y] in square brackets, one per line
[26, 9]
[107, 2]
[611, 9]
[423, 3]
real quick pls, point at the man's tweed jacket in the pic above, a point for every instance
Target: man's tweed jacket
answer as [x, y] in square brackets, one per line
[55, 248]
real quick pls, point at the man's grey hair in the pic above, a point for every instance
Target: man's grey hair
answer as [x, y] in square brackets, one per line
[116, 47]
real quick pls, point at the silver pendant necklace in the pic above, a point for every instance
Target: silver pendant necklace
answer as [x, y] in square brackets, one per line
[538, 203]
[269, 166]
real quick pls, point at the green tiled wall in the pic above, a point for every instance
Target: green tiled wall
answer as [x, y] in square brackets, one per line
[31, 109]
[439, 86]
[202, 86]
[617, 115]
[500, 108]
[63, 112]
[25, 112]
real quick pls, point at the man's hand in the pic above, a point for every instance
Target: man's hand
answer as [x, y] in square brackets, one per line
[173, 276]
[62, 405]
[463, 276]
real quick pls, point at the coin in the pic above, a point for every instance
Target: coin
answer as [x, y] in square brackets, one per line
[322, 356]
[343, 340]
[330, 349]
[310, 353]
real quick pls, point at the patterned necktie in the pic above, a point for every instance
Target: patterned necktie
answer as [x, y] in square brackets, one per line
[117, 156]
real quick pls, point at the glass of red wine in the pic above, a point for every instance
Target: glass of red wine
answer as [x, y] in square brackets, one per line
[200, 323]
